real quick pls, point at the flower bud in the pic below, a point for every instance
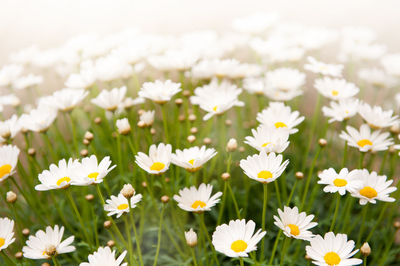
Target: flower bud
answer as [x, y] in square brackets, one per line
[191, 138]
[231, 145]
[225, 176]
[26, 232]
[140, 111]
[46, 264]
[322, 142]
[89, 197]
[242, 149]
[128, 191]
[181, 118]
[228, 122]
[194, 130]
[164, 199]
[192, 117]
[84, 152]
[18, 255]
[107, 224]
[110, 243]
[89, 135]
[365, 249]
[299, 175]
[178, 101]
[207, 141]
[11, 197]
[396, 224]
[31, 152]
[97, 120]
[123, 126]
[191, 238]
[85, 142]
[144, 184]
[152, 131]
[186, 93]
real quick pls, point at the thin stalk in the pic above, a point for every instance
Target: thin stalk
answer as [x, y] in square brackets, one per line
[271, 260]
[284, 249]
[241, 261]
[193, 256]
[165, 122]
[264, 210]
[221, 210]
[278, 194]
[292, 192]
[128, 233]
[55, 262]
[309, 178]
[205, 232]
[137, 239]
[234, 200]
[336, 212]
[364, 215]
[159, 236]
[378, 222]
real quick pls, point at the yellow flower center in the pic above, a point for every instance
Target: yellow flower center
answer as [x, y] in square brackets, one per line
[339, 182]
[364, 142]
[332, 258]
[368, 192]
[215, 108]
[264, 174]
[5, 170]
[198, 203]
[266, 144]
[191, 161]
[294, 229]
[122, 206]
[239, 246]
[93, 175]
[335, 93]
[2, 241]
[280, 124]
[63, 179]
[157, 166]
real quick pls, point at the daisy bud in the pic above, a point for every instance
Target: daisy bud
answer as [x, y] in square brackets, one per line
[164, 199]
[51, 250]
[299, 175]
[31, 152]
[322, 142]
[97, 120]
[392, 149]
[396, 224]
[144, 184]
[11, 197]
[231, 145]
[181, 118]
[85, 142]
[18, 255]
[365, 249]
[152, 131]
[26, 232]
[46, 264]
[140, 111]
[167, 180]
[307, 257]
[225, 176]
[107, 224]
[242, 149]
[207, 141]
[186, 93]
[89, 135]
[194, 130]
[128, 191]
[110, 243]
[191, 238]
[191, 138]
[192, 117]
[123, 126]
[178, 101]
[395, 129]
[141, 124]
[89, 197]
[228, 122]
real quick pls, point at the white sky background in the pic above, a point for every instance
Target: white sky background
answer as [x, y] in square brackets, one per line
[48, 23]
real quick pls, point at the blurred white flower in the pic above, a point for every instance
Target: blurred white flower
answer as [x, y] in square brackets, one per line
[376, 117]
[341, 110]
[336, 89]
[269, 139]
[323, 68]
[110, 100]
[159, 91]
[104, 257]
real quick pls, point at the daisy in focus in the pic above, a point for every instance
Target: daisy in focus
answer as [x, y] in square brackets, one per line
[8, 161]
[295, 224]
[237, 238]
[46, 244]
[110, 100]
[263, 167]
[339, 182]
[376, 117]
[90, 171]
[194, 158]
[6, 233]
[159, 92]
[104, 257]
[158, 160]
[197, 200]
[269, 139]
[120, 204]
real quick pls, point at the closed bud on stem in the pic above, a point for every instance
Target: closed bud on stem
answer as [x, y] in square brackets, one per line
[228, 122]
[140, 111]
[365, 249]
[225, 176]
[85, 142]
[307, 257]
[178, 101]
[107, 224]
[396, 224]
[110, 243]
[89, 197]
[144, 184]
[191, 238]
[322, 142]
[194, 130]
[152, 131]
[31, 152]
[26, 231]
[186, 93]
[231, 145]
[127, 191]
[167, 180]
[164, 199]
[207, 141]
[11, 197]
[191, 138]
[181, 118]
[141, 124]
[123, 126]
[192, 117]
[18, 255]
[242, 149]
[97, 120]
[89, 135]
[299, 175]
[84, 152]
[45, 264]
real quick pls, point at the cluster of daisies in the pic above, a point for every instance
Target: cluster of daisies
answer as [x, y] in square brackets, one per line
[120, 91]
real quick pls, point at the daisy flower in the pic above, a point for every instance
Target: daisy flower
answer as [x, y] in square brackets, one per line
[38, 120]
[92, 172]
[174, 60]
[332, 250]
[159, 91]
[285, 79]
[6, 233]
[237, 238]
[119, 205]
[341, 110]
[279, 115]
[375, 76]
[158, 160]
[197, 200]
[45, 244]
[9, 73]
[295, 224]
[373, 187]
[263, 167]
[323, 68]
[339, 182]
[376, 117]
[335, 89]
[269, 139]
[391, 64]
[147, 118]
[123, 126]
[104, 257]
[67, 99]
[110, 100]
[9, 128]
[365, 140]
[254, 85]
[59, 176]
[192, 159]
[8, 161]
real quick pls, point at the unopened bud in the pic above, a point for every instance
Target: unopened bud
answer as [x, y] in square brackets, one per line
[107, 224]
[123, 126]
[242, 149]
[127, 191]
[228, 122]
[164, 199]
[11, 197]
[144, 184]
[178, 101]
[192, 117]
[186, 93]
[110, 243]
[365, 249]
[141, 124]
[225, 176]
[322, 142]
[85, 142]
[207, 141]
[89, 135]
[45, 264]
[97, 120]
[84, 152]
[89, 197]
[167, 179]
[152, 131]
[231, 145]
[194, 130]
[31, 152]
[26, 232]
[299, 175]
[191, 238]
[191, 138]
[18, 255]
[396, 224]
[181, 118]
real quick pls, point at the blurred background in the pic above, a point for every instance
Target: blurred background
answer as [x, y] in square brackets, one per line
[48, 23]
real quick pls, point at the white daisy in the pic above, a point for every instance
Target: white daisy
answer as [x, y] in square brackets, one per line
[147, 118]
[123, 126]
[8, 161]
[391, 64]
[269, 139]
[38, 120]
[376, 77]
[365, 140]
[59, 176]
[373, 187]
[91, 172]
[341, 182]
[295, 224]
[104, 257]
[158, 160]
[332, 250]
[192, 159]
[254, 85]
[281, 95]
[335, 89]
[197, 200]
[263, 167]
[110, 100]
[44, 245]
[9, 73]
[237, 238]
[341, 110]
[9, 128]
[279, 115]
[6, 233]
[179, 60]
[67, 99]
[376, 117]
[27, 81]
[119, 205]
[323, 68]
[159, 91]
[285, 79]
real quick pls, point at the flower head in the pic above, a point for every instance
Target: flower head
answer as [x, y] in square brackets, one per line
[339, 182]
[159, 91]
[341, 110]
[269, 139]
[6, 233]
[104, 257]
[110, 100]
[197, 200]
[376, 117]
[90, 171]
[120, 205]
[158, 160]
[192, 159]
[335, 89]
[323, 68]
[8, 161]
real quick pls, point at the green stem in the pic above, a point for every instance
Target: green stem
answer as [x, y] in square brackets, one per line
[193, 256]
[136, 238]
[264, 210]
[241, 261]
[165, 122]
[159, 236]
[364, 215]
[284, 249]
[221, 210]
[234, 200]
[378, 222]
[292, 192]
[205, 232]
[278, 194]
[271, 260]
[305, 192]
[336, 212]
[54, 259]
[128, 233]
